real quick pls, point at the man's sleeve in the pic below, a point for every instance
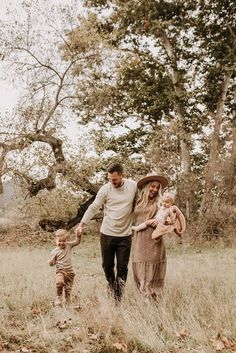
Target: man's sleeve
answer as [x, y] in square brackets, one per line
[96, 206]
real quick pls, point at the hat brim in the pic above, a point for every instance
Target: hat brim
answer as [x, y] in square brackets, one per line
[162, 180]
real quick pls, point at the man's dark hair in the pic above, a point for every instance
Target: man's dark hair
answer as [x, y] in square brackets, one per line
[115, 167]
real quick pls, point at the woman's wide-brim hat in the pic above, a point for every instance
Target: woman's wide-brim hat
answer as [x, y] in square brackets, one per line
[153, 177]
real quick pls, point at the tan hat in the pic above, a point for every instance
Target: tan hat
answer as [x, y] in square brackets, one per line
[153, 177]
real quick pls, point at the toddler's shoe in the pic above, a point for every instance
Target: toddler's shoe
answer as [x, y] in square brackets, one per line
[58, 301]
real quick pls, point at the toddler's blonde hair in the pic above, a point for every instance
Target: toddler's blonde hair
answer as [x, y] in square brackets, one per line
[62, 233]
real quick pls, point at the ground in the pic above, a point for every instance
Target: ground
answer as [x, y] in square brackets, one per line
[196, 313]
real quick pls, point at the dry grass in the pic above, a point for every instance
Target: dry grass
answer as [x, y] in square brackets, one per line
[198, 304]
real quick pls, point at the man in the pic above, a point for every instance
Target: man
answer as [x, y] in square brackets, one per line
[117, 198]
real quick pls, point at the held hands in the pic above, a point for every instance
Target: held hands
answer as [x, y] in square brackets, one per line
[79, 230]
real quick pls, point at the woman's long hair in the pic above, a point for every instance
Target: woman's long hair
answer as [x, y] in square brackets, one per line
[144, 200]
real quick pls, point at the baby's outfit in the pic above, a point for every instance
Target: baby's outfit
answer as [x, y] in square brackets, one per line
[166, 215]
[166, 218]
[169, 219]
[64, 271]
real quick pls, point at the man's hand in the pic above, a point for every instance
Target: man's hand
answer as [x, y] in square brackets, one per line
[79, 230]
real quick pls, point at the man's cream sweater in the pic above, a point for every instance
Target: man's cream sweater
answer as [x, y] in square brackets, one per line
[118, 208]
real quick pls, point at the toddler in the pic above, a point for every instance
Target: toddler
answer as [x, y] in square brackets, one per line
[61, 257]
[168, 218]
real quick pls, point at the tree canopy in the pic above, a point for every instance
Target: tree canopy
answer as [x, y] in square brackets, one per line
[152, 82]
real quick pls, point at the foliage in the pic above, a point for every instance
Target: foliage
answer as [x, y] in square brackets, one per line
[152, 81]
[33, 141]
[175, 76]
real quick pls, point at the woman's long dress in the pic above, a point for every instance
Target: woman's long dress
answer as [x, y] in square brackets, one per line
[148, 258]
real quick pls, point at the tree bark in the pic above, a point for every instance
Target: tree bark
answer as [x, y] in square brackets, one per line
[230, 178]
[211, 166]
[180, 91]
[52, 225]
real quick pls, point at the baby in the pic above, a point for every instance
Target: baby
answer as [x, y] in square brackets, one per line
[166, 218]
[61, 257]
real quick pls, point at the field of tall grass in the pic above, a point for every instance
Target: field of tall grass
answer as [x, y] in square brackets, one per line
[197, 312]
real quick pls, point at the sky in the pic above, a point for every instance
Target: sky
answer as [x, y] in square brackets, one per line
[9, 95]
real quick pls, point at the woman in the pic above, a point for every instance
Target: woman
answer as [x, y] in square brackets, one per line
[149, 257]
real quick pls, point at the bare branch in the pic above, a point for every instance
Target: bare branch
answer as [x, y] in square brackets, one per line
[12, 46]
[67, 97]
[63, 39]
[57, 101]
[40, 111]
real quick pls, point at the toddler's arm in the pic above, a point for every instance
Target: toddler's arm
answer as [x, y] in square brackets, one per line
[75, 242]
[53, 259]
[52, 262]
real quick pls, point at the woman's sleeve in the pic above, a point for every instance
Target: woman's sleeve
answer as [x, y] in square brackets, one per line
[176, 210]
[182, 222]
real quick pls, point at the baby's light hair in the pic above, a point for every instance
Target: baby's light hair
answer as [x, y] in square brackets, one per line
[62, 233]
[168, 195]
